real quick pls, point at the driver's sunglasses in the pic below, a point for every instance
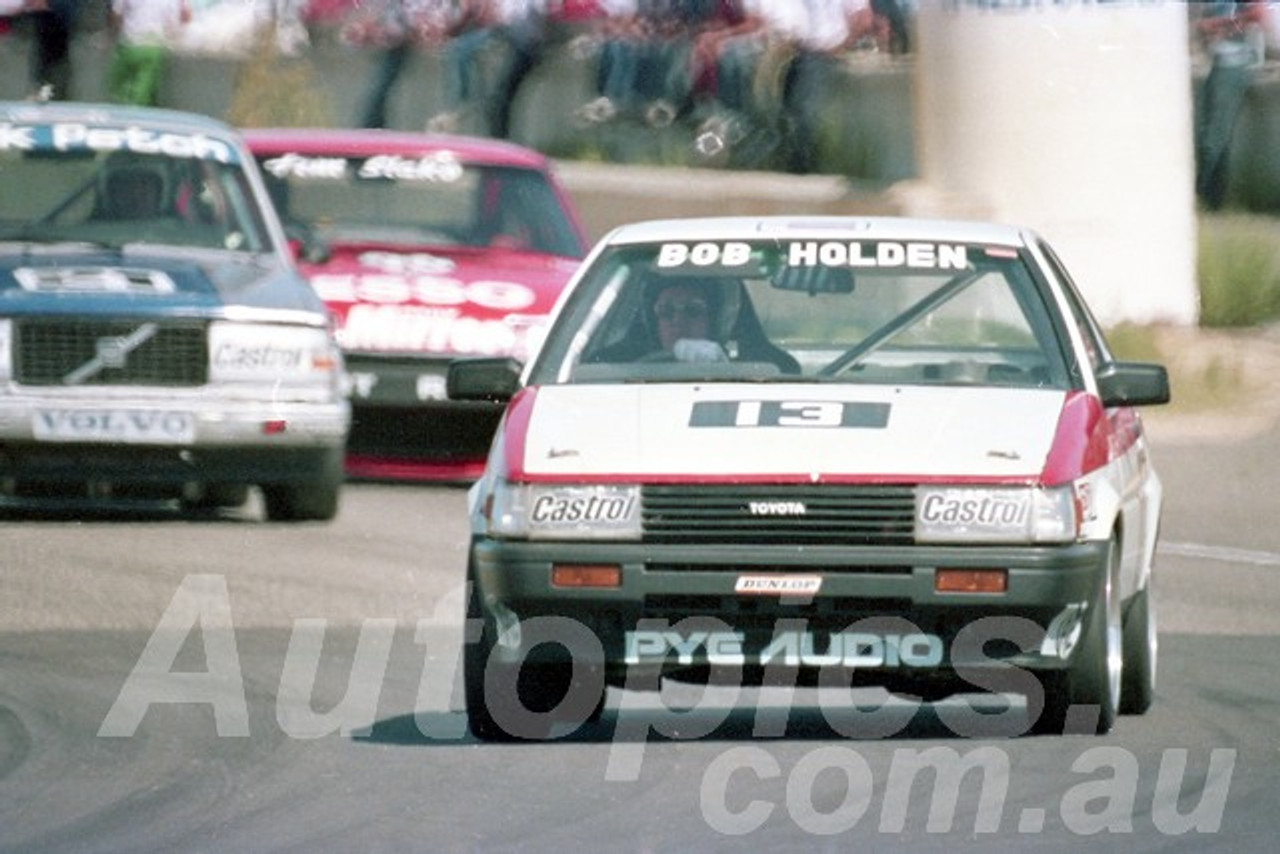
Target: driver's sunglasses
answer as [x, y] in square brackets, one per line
[669, 311]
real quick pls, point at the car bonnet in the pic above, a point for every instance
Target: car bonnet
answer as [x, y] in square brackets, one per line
[801, 432]
[148, 283]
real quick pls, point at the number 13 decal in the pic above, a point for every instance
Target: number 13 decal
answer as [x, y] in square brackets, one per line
[788, 413]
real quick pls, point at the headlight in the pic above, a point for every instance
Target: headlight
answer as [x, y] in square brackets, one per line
[6, 351]
[995, 515]
[276, 355]
[564, 512]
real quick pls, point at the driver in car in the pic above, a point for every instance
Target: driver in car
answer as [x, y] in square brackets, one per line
[682, 319]
[693, 319]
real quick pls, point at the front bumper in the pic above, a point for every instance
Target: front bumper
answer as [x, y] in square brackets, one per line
[430, 442]
[876, 611]
[404, 427]
[178, 438]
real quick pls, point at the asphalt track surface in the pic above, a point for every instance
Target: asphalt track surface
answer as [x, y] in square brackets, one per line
[307, 702]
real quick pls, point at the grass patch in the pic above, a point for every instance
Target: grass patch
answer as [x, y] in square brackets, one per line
[1217, 383]
[277, 91]
[1135, 343]
[1207, 371]
[1238, 280]
[1238, 271]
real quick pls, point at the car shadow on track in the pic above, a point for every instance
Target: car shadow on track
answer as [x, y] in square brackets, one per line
[118, 511]
[976, 717]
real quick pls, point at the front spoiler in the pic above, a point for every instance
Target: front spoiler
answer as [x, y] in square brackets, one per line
[876, 592]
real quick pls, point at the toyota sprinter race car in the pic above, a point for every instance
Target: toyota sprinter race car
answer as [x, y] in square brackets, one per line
[156, 340]
[815, 452]
[425, 247]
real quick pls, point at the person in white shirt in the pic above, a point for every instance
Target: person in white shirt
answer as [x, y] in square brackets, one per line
[819, 32]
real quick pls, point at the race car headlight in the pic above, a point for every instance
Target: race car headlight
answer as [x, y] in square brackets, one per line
[564, 512]
[6, 352]
[282, 357]
[995, 515]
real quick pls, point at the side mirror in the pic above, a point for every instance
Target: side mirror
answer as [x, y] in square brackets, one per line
[305, 246]
[1133, 384]
[495, 380]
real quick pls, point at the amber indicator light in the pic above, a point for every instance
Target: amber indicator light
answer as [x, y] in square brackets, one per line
[971, 581]
[586, 575]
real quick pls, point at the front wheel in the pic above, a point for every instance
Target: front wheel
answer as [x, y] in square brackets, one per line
[1092, 681]
[475, 657]
[1138, 679]
[525, 700]
[310, 500]
[511, 702]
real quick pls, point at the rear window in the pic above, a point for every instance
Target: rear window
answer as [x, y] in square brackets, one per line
[435, 200]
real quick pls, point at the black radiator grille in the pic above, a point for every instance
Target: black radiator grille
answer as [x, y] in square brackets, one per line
[88, 352]
[768, 514]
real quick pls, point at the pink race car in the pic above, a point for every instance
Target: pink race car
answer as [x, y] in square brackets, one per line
[425, 248]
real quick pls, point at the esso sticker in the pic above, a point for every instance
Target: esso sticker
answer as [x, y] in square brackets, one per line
[391, 289]
[406, 262]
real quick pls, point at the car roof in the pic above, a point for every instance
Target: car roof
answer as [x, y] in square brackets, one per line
[359, 142]
[818, 228]
[75, 111]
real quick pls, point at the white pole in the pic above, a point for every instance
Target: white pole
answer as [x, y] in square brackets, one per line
[1074, 118]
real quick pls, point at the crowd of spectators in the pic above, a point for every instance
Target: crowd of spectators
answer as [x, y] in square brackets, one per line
[725, 66]
[740, 69]
[738, 72]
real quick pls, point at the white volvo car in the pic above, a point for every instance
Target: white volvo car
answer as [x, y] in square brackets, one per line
[156, 339]
[818, 451]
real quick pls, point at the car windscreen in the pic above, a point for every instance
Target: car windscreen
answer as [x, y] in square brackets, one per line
[114, 196]
[874, 312]
[430, 201]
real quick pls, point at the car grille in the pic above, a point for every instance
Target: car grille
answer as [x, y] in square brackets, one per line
[767, 514]
[110, 352]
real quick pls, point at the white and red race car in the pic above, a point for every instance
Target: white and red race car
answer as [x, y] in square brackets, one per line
[425, 248]
[826, 451]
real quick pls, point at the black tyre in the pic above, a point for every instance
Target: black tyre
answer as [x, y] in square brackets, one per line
[1092, 680]
[497, 692]
[475, 656]
[311, 502]
[306, 501]
[509, 702]
[1138, 679]
[496, 700]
